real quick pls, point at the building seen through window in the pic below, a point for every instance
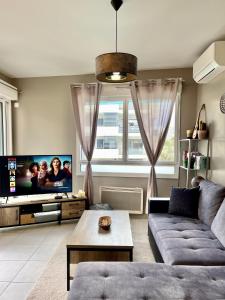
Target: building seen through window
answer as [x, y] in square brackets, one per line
[118, 139]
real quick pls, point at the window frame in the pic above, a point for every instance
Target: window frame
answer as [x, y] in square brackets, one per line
[8, 94]
[125, 161]
[6, 126]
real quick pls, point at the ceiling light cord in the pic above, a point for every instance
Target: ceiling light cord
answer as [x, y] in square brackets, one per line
[116, 31]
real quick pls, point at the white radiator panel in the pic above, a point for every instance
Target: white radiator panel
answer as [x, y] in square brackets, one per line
[130, 199]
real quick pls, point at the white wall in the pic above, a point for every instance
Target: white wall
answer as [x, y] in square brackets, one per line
[44, 122]
[210, 94]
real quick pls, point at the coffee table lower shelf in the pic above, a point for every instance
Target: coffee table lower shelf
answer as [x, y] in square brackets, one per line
[96, 254]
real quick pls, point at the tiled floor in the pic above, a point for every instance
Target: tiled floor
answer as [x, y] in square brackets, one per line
[24, 253]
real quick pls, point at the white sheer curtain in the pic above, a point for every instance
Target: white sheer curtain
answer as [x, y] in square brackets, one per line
[85, 98]
[153, 103]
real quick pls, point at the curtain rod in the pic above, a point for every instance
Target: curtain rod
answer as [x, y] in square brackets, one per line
[163, 79]
[127, 84]
[79, 84]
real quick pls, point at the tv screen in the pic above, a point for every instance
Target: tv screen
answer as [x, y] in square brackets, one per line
[35, 174]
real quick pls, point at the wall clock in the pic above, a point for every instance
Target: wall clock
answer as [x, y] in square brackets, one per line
[222, 103]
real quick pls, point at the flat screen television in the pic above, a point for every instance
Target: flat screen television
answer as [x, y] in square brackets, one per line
[35, 174]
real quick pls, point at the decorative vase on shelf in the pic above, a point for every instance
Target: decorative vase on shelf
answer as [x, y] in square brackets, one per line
[200, 130]
[185, 163]
[189, 133]
[185, 158]
[202, 134]
[192, 162]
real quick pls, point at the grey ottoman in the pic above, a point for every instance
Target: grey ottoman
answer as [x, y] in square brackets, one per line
[137, 281]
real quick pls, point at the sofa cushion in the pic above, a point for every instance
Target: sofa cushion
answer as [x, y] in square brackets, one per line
[184, 202]
[211, 197]
[137, 281]
[218, 224]
[186, 241]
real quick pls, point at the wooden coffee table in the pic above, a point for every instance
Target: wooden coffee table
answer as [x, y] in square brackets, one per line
[89, 243]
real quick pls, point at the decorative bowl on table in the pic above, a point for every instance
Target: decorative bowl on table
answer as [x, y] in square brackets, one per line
[105, 222]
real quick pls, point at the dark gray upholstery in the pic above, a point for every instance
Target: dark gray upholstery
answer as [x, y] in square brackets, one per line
[218, 224]
[211, 197]
[186, 241]
[184, 202]
[137, 281]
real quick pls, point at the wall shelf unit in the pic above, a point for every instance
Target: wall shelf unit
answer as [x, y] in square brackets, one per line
[191, 146]
[41, 211]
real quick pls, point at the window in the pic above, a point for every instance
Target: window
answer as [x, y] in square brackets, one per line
[119, 148]
[135, 147]
[108, 119]
[106, 143]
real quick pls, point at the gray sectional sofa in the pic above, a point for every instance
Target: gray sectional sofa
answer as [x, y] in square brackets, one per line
[178, 240]
[192, 249]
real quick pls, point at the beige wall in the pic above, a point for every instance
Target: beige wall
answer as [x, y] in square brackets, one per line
[210, 94]
[44, 122]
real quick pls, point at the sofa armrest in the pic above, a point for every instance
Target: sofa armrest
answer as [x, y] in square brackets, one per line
[158, 205]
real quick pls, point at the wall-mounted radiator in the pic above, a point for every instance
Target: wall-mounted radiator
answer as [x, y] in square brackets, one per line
[123, 198]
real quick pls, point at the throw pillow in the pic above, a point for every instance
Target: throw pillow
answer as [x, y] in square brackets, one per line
[184, 202]
[211, 197]
[218, 224]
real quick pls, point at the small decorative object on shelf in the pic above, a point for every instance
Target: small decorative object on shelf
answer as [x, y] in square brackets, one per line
[185, 158]
[81, 194]
[189, 133]
[201, 162]
[222, 103]
[191, 160]
[105, 222]
[200, 131]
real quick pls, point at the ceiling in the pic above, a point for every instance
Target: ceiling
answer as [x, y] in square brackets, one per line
[63, 37]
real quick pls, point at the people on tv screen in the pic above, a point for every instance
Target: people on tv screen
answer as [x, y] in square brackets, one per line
[44, 177]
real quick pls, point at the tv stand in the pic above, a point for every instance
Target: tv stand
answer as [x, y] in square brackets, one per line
[41, 211]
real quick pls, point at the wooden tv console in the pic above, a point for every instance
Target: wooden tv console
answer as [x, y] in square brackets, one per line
[24, 213]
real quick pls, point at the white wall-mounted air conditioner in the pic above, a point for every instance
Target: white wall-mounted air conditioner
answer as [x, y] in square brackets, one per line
[210, 63]
[123, 198]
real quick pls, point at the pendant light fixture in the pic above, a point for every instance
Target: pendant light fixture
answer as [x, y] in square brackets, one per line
[116, 67]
